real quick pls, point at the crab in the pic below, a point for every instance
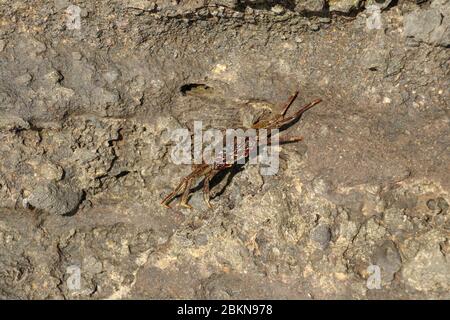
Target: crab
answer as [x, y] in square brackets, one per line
[208, 171]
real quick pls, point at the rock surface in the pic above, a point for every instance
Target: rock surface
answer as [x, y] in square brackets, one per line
[431, 25]
[89, 97]
[55, 199]
[344, 5]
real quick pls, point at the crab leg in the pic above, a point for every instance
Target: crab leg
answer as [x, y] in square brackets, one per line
[174, 193]
[289, 103]
[187, 191]
[281, 122]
